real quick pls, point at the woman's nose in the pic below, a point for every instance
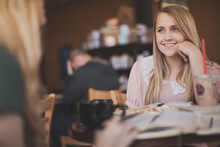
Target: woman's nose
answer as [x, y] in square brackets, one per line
[168, 36]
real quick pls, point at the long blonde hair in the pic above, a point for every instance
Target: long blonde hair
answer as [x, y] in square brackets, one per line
[186, 24]
[20, 33]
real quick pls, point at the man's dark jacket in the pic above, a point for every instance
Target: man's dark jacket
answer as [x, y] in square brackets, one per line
[93, 74]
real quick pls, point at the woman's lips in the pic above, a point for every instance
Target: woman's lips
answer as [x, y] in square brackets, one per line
[169, 44]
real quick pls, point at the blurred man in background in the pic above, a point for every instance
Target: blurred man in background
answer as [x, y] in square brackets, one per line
[84, 72]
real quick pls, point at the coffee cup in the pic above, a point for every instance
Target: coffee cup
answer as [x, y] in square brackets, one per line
[206, 89]
[93, 113]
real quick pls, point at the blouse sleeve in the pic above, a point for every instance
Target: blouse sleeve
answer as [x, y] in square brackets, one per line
[135, 86]
[214, 69]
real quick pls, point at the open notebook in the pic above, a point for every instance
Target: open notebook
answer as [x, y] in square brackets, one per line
[175, 120]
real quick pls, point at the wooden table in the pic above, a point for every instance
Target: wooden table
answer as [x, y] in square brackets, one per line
[79, 132]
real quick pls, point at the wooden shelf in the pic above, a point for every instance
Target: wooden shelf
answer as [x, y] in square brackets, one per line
[124, 72]
[132, 49]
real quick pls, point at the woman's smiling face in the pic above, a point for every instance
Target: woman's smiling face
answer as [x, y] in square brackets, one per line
[168, 35]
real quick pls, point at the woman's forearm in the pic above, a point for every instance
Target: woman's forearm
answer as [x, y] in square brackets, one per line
[11, 130]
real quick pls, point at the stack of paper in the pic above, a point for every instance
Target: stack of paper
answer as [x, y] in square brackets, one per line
[176, 121]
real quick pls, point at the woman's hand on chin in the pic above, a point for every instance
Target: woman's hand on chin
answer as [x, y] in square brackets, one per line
[187, 50]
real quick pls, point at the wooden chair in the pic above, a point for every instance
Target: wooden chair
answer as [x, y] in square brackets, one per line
[118, 97]
[66, 140]
[99, 94]
[214, 144]
[46, 108]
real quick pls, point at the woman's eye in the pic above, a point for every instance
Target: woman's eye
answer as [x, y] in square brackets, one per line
[160, 30]
[175, 29]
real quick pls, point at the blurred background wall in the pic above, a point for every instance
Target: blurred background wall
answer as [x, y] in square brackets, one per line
[206, 14]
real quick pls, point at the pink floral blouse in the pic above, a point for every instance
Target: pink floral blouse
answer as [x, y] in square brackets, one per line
[140, 75]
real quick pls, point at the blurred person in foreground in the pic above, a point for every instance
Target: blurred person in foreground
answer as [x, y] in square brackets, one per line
[20, 55]
[84, 72]
[115, 134]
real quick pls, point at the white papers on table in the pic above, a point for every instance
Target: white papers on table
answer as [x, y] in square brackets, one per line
[210, 124]
[170, 122]
[186, 121]
[176, 121]
[209, 119]
[179, 103]
[142, 121]
[204, 110]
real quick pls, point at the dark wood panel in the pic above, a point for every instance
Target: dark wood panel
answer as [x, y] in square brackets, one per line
[59, 3]
[132, 49]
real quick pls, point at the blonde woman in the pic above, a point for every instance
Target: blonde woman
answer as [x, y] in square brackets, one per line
[20, 54]
[177, 57]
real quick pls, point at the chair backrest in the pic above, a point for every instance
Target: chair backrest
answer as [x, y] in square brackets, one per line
[118, 97]
[67, 140]
[95, 94]
[46, 108]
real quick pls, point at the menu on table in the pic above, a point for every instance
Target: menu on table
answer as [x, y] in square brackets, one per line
[174, 118]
